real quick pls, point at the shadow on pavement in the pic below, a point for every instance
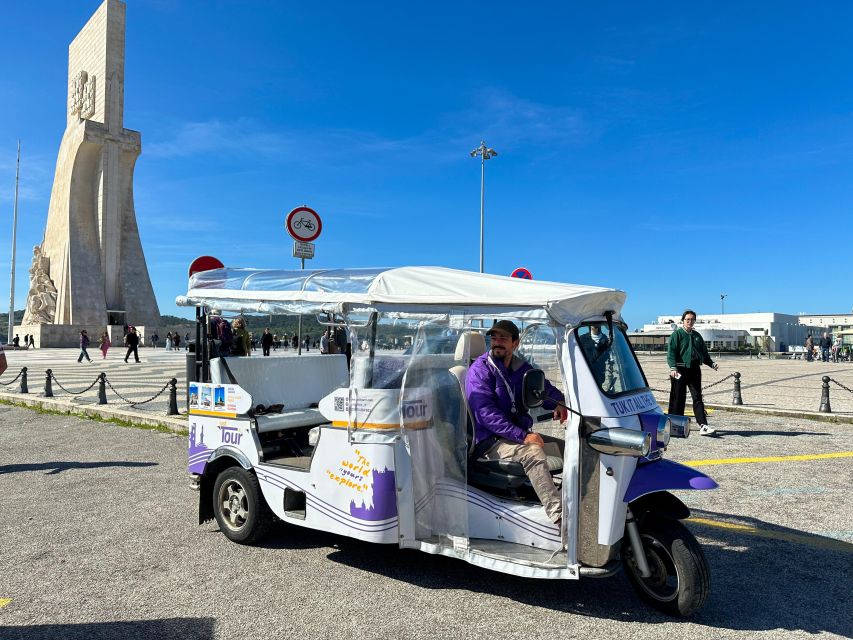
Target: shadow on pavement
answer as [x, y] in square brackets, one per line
[184, 628]
[778, 579]
[53, 468]
[722, 431]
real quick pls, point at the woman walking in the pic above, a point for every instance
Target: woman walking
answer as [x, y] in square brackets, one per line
[169, 341]
[105, 343]
[685, 354]
[84, 344]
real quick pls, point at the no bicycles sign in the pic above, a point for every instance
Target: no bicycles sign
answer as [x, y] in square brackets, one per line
[304, 224]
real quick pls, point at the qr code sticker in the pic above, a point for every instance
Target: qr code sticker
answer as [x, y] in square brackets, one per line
[339, 403]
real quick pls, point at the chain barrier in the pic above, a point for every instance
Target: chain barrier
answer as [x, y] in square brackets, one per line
[714, 384]
[848, 389]
[6, 384]
[131, 402]
[74, 393]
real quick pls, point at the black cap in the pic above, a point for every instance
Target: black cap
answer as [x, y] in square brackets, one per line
[504, 325]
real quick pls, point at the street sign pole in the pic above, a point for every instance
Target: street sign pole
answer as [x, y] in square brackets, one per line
[304, 225]
[299, 329]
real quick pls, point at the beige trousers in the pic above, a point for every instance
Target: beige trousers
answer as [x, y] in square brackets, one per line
[534, 459]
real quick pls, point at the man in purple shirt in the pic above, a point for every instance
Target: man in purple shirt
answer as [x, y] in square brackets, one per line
[502, 426]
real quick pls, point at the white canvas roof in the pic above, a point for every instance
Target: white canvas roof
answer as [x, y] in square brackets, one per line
[414, 289]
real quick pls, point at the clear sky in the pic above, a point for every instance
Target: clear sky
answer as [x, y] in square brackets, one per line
[674, 150]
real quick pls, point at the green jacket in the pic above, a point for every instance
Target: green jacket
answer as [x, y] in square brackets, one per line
[242, 345]
[679, 351]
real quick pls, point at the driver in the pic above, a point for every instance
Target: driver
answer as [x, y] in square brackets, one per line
[502, 426]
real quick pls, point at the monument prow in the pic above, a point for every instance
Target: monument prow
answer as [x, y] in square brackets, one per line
[90, 269]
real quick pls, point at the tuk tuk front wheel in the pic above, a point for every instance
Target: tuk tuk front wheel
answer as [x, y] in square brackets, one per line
[680, 580]
[239, 507]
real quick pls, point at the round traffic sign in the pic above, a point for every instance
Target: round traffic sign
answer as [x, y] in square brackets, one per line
[205, 263]
[522, 273]
[304, 224]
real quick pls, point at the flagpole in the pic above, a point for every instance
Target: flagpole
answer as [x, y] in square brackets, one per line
[14, 242]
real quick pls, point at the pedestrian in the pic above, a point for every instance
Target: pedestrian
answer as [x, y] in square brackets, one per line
[825, 346]
[84, 344]
[105, 343]
[32, 342]
[836, 349]
[154, 340]
[187, 341]
[266, 341]
[324, 342]
[131, 340]
[295, 341]
[169, 341]
[176, 341]
[16, 341]
[686, 353]
[242, 346]
[26, 341]
[809, 348]
[307, 342]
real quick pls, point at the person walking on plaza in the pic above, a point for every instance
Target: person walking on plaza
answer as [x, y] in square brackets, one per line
[836, 349]
[26, 341]
[266, 341]
[105, 343]
[825, 345]
[685, 354]
[168, 341]
[84, 344]
[32, 342]
[809, 348]
[132, 342]
[176, 341]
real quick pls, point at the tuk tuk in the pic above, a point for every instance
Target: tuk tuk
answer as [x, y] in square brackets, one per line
[379, 447]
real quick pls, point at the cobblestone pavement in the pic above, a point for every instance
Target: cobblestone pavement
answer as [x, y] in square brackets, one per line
[769, 384]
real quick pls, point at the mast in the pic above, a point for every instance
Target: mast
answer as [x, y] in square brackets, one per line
[14, 241]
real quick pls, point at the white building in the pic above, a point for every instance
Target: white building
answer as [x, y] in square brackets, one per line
[833, 322]
[765, 331]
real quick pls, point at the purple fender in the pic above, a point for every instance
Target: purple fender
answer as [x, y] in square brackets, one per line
[665, 475]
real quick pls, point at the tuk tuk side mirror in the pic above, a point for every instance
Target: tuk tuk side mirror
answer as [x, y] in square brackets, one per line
[533, 388]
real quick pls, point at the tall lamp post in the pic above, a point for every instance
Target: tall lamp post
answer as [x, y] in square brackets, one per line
[723, 297]
[14, 239]
[485, 153]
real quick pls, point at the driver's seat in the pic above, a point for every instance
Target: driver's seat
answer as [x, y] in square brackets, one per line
[501, 475]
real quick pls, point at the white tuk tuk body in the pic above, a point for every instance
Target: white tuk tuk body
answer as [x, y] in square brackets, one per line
[379, 450]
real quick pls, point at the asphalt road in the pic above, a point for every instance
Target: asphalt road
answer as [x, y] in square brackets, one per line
[100, 540]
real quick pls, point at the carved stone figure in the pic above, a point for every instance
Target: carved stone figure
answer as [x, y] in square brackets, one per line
[41, 299]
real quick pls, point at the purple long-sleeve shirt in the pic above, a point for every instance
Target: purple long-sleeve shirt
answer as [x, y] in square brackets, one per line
[491, 403]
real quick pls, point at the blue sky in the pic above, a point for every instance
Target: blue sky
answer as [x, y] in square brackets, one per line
[676, 151]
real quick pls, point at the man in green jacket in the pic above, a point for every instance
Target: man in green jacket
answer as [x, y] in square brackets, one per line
[685, 355]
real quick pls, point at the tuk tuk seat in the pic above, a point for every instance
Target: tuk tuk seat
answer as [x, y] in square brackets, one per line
[297, 382]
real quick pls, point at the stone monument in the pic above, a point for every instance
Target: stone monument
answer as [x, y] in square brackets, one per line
[89, 271]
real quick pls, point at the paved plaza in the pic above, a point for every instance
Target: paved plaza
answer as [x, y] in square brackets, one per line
[767, 385]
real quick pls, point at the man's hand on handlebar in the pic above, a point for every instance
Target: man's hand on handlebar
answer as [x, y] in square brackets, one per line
[561, 413]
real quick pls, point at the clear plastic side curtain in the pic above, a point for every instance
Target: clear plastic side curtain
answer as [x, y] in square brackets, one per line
[434, 425]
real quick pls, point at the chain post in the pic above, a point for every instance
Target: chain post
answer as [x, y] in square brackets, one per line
[102, 388]
[736, 397]
[824, 397]
[48, 388]
[173, 398]
[24, 388]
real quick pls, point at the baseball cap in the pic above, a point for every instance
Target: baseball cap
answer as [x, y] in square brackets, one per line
[504, 325]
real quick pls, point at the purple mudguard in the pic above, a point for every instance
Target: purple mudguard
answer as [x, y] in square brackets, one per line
[665, 475]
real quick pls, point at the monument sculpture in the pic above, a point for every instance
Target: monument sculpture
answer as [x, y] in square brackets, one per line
[90, 271]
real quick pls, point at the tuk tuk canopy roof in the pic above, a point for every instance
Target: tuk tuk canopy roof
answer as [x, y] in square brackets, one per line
[428, 289]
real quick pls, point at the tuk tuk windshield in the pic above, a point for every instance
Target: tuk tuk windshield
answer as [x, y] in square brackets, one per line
[611, 360]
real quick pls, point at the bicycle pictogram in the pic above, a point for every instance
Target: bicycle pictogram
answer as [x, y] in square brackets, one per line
[302, 223]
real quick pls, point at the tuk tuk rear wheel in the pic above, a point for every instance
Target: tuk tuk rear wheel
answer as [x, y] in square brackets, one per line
[239, 506]
[680, 580]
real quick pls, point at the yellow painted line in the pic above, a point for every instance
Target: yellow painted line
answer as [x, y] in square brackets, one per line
[816, 541]
[4, 602]
[813, 456]
[213, 414]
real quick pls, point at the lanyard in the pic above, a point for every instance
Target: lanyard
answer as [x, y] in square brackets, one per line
[506, 384]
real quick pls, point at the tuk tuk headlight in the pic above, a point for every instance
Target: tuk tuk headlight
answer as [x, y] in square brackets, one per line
[663, 431]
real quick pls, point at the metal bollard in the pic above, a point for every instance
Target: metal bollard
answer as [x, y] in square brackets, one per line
[736, 397]
[48, 388]
[24, 388]
[824, 397]
[173, 398]
[102, 388]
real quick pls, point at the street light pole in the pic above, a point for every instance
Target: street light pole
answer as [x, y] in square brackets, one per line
[14, 242]
[723, 297]
[485, 153]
